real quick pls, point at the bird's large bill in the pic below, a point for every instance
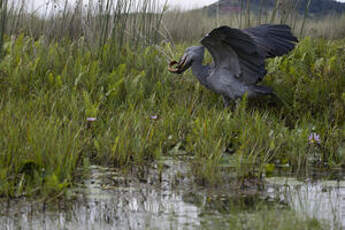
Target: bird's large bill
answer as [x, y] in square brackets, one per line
[172, 67]
[177, 67]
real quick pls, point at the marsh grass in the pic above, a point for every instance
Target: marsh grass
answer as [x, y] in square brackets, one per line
[113, 67]
[49, 89]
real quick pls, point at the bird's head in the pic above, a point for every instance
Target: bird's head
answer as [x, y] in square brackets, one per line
[191, 54]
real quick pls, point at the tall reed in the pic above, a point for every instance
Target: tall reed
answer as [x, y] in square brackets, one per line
[248, 13]
[142, 23]
[134, 21]
[274, 12]
[260, 11]
[3, 17]
[304, 18]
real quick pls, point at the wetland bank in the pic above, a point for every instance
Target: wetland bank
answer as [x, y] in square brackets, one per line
[94, 131]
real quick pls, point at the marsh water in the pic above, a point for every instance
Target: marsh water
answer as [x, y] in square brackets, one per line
[166, 197]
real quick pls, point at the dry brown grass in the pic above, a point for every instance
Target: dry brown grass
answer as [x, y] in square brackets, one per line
[105, 20]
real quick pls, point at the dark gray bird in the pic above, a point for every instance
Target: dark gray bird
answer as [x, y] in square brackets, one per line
[239, 59]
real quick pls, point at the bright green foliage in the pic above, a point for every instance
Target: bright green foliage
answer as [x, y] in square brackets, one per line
[48, 90]
[312, 79]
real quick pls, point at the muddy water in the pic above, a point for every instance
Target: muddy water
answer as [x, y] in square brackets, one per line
[166, 197]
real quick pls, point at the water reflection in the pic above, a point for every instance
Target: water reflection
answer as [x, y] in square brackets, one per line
[108, 200]
[166, 197]
[322, 199]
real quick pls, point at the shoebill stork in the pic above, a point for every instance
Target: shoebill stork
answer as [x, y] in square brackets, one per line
[238, 59]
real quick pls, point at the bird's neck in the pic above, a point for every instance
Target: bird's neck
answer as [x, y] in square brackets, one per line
[200, 71]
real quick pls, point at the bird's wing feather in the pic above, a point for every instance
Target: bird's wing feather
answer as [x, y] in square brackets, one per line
[235, 50]
[272, 40]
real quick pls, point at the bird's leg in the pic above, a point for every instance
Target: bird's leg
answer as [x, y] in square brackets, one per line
[232, 104]
[237, 103]
[226, 101]
[278, 100]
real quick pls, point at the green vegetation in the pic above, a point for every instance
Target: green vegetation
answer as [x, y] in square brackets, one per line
[50, 86]
[49, 90]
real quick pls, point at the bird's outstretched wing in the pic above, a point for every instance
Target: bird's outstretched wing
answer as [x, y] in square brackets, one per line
[237, 51]
[272, 40]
